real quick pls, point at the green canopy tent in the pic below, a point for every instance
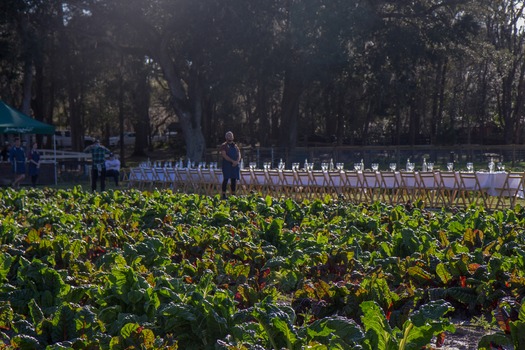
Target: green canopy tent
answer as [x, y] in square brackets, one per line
[13, 121]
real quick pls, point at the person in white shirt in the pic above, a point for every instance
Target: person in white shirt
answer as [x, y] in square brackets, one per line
[113, 167]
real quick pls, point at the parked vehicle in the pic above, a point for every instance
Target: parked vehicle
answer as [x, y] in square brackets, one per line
[164, 138]
[129, 139]
[88, 140]
[63, 139]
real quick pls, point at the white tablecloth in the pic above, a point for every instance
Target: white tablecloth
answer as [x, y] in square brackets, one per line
[491, 183]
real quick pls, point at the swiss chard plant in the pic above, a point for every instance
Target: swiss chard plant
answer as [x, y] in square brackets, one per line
[157, 270]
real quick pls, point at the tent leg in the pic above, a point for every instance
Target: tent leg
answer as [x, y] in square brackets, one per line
[55, 160]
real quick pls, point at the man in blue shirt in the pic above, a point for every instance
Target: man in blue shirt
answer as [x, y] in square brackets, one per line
[98, 166]
[17, 156]
[231, 157]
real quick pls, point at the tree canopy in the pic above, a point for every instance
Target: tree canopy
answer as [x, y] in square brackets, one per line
[276, 72]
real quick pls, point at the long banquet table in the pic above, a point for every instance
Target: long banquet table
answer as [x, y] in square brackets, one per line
[436, 188]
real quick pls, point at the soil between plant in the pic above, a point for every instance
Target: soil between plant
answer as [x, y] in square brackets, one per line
[466, 337]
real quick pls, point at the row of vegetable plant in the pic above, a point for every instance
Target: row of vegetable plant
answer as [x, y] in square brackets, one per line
[159, 270]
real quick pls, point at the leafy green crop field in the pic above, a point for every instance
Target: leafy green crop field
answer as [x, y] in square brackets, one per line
[157, 270]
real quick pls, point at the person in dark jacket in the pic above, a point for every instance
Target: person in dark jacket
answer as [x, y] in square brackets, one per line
[34, 164]
[17, 156]
[231, 157]
[5, 152]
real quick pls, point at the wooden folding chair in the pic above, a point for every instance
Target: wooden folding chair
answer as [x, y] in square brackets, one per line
[197, 183]
[258, 181]
[510, 190]
[470, 191]
[353, 186]
[303, 181]
[217, 175]
[429, 187]
[388, 187]
[336, 182]
[448, 188]
[209, 182]
[318, 183]
[290, 186]
[149, 177]
[245, 185]
[160, 178]
[409, 186]
[135, 176]
[274, 182]
[184, 180]
[178, 180]
[170, 178]
[124, 176]
[371, 186]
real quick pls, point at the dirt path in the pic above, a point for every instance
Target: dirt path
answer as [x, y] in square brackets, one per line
[466, 337]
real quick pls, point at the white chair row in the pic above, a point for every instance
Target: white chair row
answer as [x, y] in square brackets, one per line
[436, 189]
[203, 181]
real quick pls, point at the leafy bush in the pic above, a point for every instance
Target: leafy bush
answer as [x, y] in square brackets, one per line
[160, 270]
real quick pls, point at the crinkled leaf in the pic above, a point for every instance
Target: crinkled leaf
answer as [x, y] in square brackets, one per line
[521, 315]
[136, 296]
[6, 314]
[378, 331]
[5, 265]
[517, 332]
[277, 321]
[36, 312]
[285, 329]
[25, 342]
[419, 274]
[415, 338]
[63, 323]
[496, 339]
[338, 327]
[431, 311]
[110, 313]
[462, 294]
[129, 329]
[443, 273]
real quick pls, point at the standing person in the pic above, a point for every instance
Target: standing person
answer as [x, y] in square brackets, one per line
[113, 167]
[5, 152]
[98, 164]
[231, 156]
[17, 156]
[34, 164]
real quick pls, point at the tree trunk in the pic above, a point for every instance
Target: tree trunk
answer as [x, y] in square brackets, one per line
[340, 108]
[74, 93]
[27, 82]
[413, 121]
[262, 112]
[75, 115]
[187, 105]
[397, 134]
[120, 104]
[505, 108]
[292, 92]
[482, 106]
[141, 103]
[519, 105]
[368, 119]
[38, 104]
[438, 100]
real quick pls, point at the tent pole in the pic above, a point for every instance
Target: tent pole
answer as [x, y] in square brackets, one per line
[55, 155]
